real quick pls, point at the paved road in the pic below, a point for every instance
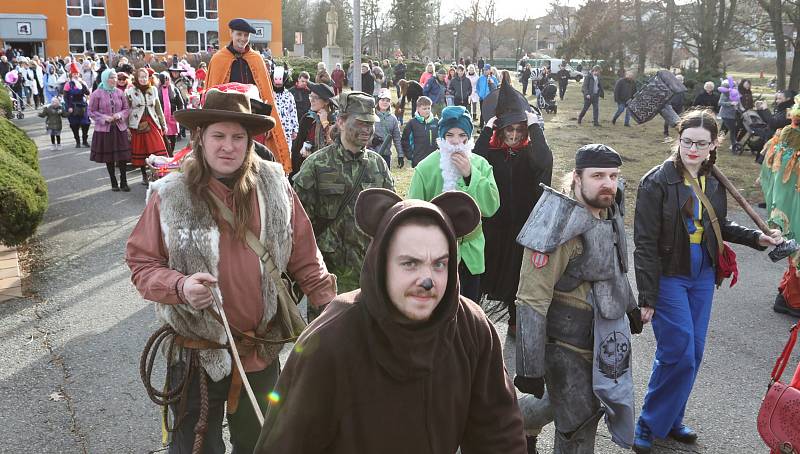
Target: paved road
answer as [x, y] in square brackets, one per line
[69, 378]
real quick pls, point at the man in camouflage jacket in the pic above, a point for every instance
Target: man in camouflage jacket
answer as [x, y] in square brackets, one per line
[328, 185]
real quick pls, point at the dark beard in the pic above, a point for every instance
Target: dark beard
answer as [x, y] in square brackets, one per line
[277, 88]
[596, 202]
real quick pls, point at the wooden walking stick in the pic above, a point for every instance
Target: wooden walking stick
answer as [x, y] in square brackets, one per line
[781, 251]
[235, 354]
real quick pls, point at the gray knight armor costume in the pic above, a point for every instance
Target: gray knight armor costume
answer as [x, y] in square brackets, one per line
[580, 392]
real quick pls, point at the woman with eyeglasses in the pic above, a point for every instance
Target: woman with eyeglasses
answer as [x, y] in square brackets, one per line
[676, 263]
[315, 126]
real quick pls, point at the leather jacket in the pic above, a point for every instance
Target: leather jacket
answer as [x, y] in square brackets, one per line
[660, 235]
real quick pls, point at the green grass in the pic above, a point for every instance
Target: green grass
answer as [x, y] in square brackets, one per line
[641, 147]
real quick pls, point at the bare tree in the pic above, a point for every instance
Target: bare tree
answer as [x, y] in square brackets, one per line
[564, 17]
[774, 9]
[471, 24]
[641, 38]
[707, 31]
[491, 27]
[671, 13]
[793, 11]
[436, 16]
[521, 29]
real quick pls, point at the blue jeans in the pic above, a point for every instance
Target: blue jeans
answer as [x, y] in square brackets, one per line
[620, 108]
[680, 324]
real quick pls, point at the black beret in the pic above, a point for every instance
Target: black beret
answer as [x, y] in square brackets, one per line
[597, 155]
[241, 25]
[324, 91]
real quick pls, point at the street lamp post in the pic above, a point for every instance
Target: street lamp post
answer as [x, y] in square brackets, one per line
[537, 37]
[356, 83]
[455, 38]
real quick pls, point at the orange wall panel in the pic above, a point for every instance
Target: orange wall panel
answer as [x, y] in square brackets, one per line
[118, 29]
[174, 14]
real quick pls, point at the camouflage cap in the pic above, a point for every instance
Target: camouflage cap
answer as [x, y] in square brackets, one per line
[358, 104]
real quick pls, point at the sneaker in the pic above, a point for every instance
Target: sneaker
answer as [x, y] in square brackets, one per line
[683, 434]
[125, 188]
[782, 307]
[643, 439]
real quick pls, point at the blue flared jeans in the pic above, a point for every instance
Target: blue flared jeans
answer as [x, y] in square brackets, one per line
[680, 324]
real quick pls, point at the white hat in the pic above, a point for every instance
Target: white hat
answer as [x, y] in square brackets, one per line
[385, 94]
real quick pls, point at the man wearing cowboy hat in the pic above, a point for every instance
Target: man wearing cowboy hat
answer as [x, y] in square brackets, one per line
[330, 180]
[237, 62]
[182, 247]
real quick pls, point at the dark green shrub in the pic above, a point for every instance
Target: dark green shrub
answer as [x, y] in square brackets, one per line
[23, 191]
[5, 103]
[16, 142]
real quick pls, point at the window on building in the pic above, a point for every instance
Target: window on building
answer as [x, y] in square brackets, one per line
[100, 41]
[201, 41]
[76, 44]
[74, 8]
[212, 39]
[98, 8]
[155, 41]
[135, 9]
[201, 8]
[95, 8]
[211, 9]
[190, 9]
[192, 41]
[83, 40]
[159, 42]
[140, 8]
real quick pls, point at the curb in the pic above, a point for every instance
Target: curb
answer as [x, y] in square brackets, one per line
[10, 276]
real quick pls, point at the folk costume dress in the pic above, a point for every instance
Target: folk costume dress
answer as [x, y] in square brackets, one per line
[110, 141]
[781, 188]
[146, 131]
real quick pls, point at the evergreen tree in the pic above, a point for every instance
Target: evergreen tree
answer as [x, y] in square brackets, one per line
[411, 21]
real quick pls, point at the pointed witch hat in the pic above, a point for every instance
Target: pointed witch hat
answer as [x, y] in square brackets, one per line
[511, 106]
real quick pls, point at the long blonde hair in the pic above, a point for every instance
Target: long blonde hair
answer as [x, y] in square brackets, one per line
[198, 174]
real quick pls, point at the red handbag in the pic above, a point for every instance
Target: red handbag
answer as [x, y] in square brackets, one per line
[779, 416]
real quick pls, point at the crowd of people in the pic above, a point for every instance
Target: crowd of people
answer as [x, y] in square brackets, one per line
[289, 178]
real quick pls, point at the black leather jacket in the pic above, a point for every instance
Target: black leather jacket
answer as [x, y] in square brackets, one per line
[660, 234]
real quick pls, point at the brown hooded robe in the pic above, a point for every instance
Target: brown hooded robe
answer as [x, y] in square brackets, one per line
[363, 379]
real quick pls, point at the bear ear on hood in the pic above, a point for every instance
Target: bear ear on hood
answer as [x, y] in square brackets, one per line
[461, 209]
[371, 205]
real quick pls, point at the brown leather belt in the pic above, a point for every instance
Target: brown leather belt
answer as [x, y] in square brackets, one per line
[246, 346]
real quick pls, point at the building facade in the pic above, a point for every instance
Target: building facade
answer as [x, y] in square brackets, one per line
[60, 27]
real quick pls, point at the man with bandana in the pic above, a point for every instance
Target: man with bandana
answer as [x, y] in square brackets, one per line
[572, 301]
[454, 167]
[284, 101]
[237, 62]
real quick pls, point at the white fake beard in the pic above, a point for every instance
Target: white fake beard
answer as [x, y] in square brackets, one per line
[450, 173]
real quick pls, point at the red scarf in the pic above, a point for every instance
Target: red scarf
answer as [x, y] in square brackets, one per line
[496, 143]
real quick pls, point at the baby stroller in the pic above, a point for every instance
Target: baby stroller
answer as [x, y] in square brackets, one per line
[17, 104]
[751, 122]
[546, 100]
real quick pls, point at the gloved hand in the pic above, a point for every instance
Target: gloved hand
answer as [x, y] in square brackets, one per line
[635, 321]
[400, 162]
[530, 385]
